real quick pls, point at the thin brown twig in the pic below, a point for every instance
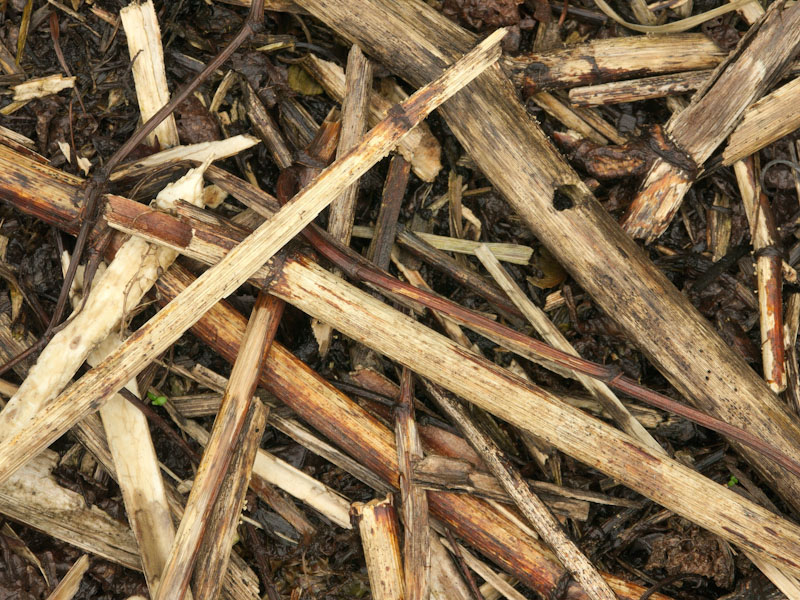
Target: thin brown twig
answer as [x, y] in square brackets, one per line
[357, 267]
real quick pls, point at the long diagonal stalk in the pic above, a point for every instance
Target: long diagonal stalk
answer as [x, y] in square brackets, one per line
[89, 393]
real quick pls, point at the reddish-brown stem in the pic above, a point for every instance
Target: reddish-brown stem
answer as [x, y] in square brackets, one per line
[358, 267]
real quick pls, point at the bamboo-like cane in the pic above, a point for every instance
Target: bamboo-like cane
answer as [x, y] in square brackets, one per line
[149, 74]
[355, 112]
[613, 59]
[715, 110]
[332, 413]
[769, 263]
[774, 116]
[361, 312]
[215, 553]
[635, 90]
[100, 383]
[380, 538]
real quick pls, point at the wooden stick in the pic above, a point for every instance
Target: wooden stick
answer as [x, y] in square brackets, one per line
[769, 119]
[555, 338]
[198, 152]
[764, 236]
[420, 147]
[215, 552]
[361, 317]
[120, 289]
[355, 111]
[602, 61]
[89, 529]
[69, 584]
[332, 413]
[446, 581]
[565, 115]
[127, 431]
[507, 252]
[266, 128]
[711, 117]
[416, 544]
[523, 166]
[529, 503]
[394, 189]
[149, 74]
[635, 90]
[220, 450]
[238, 265]
[791, 326]
[380, 537]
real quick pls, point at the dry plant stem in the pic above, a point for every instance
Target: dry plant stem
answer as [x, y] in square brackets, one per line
[634, 90]
[380, 538]
[215, 552]
[132, 273]
[96, 186]
[149, 74]
[416, 543]
[144, 345]
[764, 238]
[394, 189]
[355, 115]
[529, 503]
[556, 339]
[266, 128]
[759, 59]
[766, 121]
[220, 451]
[446, 581]
[602, 61]
[210, 245]
[366, 320]
[513, 253]
[127, 431]
[791, 323]
[419, 147]
[355, 111]
[33, 497]
[69, 584]
[564, 114]
[413, 39]
[360, 434]
[444, 263]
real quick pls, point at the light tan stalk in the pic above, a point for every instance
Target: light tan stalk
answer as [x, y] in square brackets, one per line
[419, 147]
[528, 503]
[220, 451]
[713, 113]
[555, 338]
[149, 75]
[764, 236]
[69, 584]
[219, 281]
[380, 538]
